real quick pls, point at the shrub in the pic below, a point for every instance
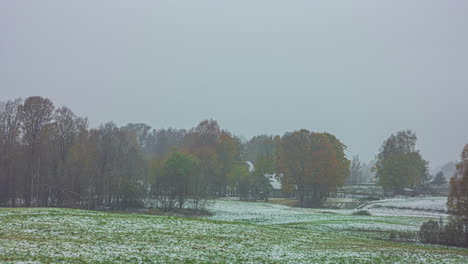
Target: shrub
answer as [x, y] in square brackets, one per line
[361, 212]
[435, 232]
[129, 194]
[154, 211]
[430, 232]
[396, 236]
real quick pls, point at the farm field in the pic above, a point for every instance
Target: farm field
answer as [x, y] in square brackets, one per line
[238, 232]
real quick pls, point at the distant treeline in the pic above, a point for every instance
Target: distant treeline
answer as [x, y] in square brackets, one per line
[50, 157]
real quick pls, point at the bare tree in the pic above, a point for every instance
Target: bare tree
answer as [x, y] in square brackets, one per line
[355, 176]
[65, 134]
[36, 113]
[9, 136]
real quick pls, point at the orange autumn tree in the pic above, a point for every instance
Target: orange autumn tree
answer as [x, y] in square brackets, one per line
[344, 163]
[310, 165]
[217, 152]
[228, 153]
[202, 142]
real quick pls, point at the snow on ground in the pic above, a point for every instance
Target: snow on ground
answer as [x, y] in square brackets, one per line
[417, 203]
[318, 220]
[241, 233]
[409, 206]
[268, 213]
[257, 212]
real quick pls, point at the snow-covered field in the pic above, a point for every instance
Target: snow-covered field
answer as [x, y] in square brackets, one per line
[259, 213]
[416, 206]
[417, 203]
[269, 213]
[383, 221]
[239, 232]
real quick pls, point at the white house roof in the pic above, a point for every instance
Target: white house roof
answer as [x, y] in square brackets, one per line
[251, 166]
[275, 183]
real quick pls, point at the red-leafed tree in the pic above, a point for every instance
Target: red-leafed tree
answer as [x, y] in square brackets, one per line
[455, 232]
[457, 202]
[310, 163]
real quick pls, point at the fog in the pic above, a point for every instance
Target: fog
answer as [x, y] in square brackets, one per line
[358, 69]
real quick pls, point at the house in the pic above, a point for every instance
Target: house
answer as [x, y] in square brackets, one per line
[275, 183]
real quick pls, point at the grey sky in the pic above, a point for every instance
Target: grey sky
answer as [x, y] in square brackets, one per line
[358, 69]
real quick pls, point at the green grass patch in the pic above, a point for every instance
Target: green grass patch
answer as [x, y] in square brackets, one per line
[55, 235]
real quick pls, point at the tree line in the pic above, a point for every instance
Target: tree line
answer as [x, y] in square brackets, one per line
[49, 156]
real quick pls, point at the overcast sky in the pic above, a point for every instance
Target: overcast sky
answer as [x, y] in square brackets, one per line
[358, 69]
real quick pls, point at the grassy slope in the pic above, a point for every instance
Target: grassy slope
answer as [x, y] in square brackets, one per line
[77, 236]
